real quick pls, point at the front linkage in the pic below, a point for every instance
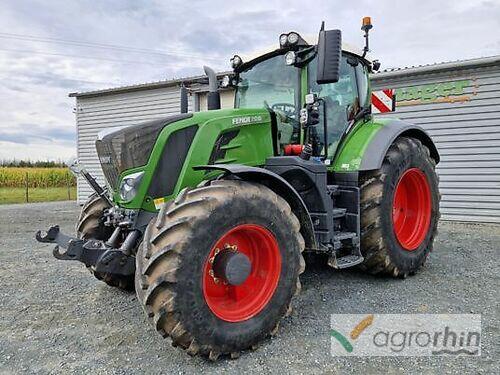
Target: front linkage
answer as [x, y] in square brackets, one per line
[97, 254]
[114, 256]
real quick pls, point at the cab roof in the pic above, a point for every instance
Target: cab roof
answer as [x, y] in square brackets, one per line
[311, 40]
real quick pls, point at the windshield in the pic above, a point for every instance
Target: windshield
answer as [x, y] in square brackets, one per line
[271, 84]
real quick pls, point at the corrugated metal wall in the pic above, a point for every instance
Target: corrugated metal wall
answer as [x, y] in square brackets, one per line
[461, 111]
[94, 114]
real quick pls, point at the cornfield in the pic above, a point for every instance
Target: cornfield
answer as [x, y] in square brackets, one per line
[14, 177]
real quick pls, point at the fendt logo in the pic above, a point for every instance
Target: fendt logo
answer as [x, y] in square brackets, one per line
[247, 120]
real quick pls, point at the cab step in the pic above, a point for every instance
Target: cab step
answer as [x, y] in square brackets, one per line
[347, 261]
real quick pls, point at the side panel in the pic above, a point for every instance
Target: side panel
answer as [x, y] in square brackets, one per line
[353, 148]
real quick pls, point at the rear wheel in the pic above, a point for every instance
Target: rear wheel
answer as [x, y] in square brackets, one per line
[219, 266]
[90, 226]
[399, 210]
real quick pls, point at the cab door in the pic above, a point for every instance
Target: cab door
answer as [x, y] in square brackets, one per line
[340, 102]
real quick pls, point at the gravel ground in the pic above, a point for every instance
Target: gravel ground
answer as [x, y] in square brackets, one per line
[55, 318]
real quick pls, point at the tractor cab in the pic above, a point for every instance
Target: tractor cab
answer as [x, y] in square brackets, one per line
[296, 81]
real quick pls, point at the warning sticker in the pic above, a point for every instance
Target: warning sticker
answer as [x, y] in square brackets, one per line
[159, 202]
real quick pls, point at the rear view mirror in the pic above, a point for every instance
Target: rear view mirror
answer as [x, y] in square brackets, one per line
[329, 54]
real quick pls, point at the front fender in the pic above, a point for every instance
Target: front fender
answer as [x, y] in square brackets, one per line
[367, 145]
[380, 143]
[277, 184]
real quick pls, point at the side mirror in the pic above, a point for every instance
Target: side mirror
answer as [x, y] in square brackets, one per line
[329, 54]
[75, 168]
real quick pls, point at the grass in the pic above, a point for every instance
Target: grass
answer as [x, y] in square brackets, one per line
[18, 194]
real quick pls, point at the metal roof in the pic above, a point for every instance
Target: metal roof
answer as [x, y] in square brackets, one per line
[392, 72]
[437, 67]
[202, 79]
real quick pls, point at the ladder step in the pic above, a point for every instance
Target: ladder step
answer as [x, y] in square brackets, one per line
[341, 236]
[349, 261]
[339, 212]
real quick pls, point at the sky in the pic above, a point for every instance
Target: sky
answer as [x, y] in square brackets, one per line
[50, 48]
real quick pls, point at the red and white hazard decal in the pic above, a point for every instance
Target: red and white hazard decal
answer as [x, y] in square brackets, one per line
[383, 101]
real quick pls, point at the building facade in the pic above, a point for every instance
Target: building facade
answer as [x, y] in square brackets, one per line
[458, 103]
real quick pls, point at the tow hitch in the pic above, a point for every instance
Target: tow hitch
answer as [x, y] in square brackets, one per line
[93, 253]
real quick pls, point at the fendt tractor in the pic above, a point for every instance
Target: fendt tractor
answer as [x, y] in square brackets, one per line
[209, 215]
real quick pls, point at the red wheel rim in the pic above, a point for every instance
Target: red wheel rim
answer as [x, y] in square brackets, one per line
[238, 303]
[411, 209]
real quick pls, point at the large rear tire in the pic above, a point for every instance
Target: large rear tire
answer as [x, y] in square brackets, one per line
[399, 210]
[90, 226]
[177, 280]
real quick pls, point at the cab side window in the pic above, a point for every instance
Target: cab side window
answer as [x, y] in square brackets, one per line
[363, 85]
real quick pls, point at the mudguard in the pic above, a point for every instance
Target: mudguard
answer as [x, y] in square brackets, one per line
[366, 145]
[376, 150]
[280, 186]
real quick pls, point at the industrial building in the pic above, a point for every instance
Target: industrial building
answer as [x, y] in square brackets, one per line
[458, 103]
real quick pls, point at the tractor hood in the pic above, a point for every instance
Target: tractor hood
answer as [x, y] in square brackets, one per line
[129, 147]
[165, 152]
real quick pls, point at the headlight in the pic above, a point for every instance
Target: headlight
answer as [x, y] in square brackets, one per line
[129, 184]
[293, 38]
[290, 58]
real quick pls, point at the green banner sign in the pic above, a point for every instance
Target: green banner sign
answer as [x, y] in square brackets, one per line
[436, 92]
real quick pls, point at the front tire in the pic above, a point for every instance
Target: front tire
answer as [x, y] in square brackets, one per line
[399, 210]
[176, 274]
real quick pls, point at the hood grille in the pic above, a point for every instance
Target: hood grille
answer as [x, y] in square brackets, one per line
[130, 146]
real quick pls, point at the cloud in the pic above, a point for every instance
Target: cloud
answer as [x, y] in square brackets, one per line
[36, 76]
[34, 133]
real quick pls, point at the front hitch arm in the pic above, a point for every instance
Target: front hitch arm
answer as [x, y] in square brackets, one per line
[92, 253]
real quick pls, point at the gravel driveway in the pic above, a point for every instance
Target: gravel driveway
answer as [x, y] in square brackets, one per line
[55, 318]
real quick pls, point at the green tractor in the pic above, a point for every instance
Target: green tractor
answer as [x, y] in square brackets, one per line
[208, 215]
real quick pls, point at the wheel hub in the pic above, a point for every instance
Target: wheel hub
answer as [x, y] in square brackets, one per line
[231, 266]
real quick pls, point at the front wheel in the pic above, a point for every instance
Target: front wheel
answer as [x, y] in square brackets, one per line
[399, 210]
[219, 267]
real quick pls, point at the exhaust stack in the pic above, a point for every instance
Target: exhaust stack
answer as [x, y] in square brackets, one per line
[213, 96]
[184, 99]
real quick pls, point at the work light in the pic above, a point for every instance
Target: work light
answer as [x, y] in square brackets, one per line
[283, 40]
[293, 38]
[236, 61]
[226, 81]
[290, 58]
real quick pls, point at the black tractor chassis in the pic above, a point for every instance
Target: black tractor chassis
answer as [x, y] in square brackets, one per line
[333, 206]
[327, 204]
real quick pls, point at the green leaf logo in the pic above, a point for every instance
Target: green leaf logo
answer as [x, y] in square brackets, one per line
[360, 327]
